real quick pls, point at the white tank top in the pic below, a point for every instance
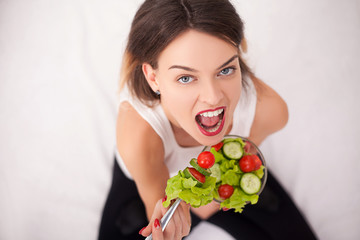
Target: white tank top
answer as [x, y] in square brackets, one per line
[177, 157]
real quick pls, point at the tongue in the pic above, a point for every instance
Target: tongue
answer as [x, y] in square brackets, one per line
[209, 121]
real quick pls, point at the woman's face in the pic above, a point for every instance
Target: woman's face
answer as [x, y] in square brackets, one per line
[199, 78]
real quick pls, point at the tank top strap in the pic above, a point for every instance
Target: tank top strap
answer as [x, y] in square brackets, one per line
[244, 113]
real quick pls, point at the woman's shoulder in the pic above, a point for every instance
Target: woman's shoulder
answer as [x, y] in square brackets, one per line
[271, 112]
[130, 123]
[134, 134]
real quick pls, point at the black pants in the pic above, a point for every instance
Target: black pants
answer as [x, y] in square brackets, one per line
[274, 216]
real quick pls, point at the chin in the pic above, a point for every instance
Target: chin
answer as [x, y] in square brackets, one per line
[211, 140]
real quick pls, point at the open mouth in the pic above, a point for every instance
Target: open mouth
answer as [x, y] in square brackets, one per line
[211, 122]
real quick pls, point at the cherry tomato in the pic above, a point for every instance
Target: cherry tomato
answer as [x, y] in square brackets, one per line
[200, 177]
[247, 163]
[206, 159]
[257, 161]
[218, 146]
[225, 191]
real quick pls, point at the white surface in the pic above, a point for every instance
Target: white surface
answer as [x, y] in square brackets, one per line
[208, 231]
[309, 52]
[59, 64]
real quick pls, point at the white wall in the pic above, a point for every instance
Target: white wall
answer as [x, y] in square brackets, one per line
[309, 52]
[59, 65]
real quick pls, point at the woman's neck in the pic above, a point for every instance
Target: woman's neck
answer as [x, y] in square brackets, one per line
[182, 138]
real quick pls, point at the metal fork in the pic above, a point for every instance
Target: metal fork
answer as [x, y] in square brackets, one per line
[167, 216]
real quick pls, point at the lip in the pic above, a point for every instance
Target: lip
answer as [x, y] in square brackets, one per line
[211, 110]
[209, 134]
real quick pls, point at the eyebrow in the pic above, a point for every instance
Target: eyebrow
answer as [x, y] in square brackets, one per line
[228, 61]
[194, 70]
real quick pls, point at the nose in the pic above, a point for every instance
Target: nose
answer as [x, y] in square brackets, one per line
[210, 92]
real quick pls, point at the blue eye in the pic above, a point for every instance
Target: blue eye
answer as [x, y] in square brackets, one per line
[227, 71]
[186, 79]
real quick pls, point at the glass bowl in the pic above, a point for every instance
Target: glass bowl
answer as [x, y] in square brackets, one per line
[250, 147]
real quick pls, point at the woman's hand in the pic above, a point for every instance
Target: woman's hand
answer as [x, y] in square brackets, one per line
[206, 211]
[177, 228]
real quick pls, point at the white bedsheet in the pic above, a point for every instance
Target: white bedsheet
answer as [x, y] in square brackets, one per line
[59, 66]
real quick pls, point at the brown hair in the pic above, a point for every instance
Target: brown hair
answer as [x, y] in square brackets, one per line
[158, 22]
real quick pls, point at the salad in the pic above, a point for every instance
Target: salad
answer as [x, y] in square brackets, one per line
[230, 172]
[194, 185]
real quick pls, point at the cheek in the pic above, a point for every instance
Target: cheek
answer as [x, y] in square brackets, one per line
[236, 92]
[178, 106]
[233, 90]
[233, 93]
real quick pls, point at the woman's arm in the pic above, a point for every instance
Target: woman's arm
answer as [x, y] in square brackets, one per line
[143, 153]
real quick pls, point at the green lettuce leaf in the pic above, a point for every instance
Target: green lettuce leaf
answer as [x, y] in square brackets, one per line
[230, 165]
[231, 177]
[186, 189]
[188, 183]
[238, 200]
[260, 172]
[218, 155]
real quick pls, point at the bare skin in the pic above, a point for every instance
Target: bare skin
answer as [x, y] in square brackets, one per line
[146, 161]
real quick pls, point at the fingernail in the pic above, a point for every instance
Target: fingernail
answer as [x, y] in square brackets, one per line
[141, 230]
[225, 209]
[164, 199]
[156, 223]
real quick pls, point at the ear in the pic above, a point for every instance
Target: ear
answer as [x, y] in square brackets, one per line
[150, 76]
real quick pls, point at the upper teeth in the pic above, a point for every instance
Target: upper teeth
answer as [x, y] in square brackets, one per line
[212, 113]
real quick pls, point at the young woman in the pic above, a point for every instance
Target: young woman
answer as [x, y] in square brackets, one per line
[185, 85]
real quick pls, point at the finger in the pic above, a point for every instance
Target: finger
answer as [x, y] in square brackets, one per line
[185, 219]
[169, 231]
[179, 224]
[157, 234]
[145, 231]
[163, 210]
[159, 211]
[186, 210]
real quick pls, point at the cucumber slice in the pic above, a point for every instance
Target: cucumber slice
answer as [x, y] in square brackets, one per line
[201, 170]
[233, 150]
[250, 183]
[188, 174]
[216, 172]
